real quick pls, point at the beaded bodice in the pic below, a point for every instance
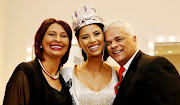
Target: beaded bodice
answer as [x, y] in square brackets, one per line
[86, 96]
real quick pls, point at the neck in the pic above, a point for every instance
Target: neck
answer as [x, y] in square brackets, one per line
[94, 64]
[51, 65]
[122, 63]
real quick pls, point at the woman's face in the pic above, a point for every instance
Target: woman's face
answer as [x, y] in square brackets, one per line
[91, 40]
[55, 42]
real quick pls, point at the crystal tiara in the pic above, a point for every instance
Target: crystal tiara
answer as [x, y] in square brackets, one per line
[85, 16]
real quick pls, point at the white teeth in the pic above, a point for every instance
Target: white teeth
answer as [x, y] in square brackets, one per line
[94, 47]
[56, 47]
[116, 52]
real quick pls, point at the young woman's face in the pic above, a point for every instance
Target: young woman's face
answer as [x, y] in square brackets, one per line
[55, 41]
[91, 40]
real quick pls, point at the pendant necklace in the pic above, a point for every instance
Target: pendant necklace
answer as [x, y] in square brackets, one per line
[53, 77]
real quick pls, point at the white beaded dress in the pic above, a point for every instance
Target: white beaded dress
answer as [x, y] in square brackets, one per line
[86, 96]
[82, 95]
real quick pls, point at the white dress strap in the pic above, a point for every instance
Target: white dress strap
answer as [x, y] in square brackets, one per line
[67, 75]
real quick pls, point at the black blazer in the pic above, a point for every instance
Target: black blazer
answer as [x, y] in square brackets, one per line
[150, 80]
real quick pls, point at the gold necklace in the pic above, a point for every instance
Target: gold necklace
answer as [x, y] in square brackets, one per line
[53, 77]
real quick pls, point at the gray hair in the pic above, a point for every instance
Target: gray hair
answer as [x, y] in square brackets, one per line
[121, 24]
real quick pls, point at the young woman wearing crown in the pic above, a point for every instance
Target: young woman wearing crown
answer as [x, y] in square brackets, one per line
[92, 82]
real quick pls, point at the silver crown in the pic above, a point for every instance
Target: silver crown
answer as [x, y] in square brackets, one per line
[85, 16]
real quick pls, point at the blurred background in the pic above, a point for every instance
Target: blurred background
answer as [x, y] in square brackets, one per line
[156, 24]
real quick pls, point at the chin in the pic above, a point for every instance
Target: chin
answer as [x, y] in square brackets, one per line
[96, 54]
[58, 54]
[118, 60]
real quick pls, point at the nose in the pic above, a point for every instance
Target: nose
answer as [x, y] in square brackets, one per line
[92, 39]
[57, 39]
[113, 44]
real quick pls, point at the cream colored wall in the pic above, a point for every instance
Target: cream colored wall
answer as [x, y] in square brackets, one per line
[3, 29]
[20, 19]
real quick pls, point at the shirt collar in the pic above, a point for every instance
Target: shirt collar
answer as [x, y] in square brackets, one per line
[126, 66]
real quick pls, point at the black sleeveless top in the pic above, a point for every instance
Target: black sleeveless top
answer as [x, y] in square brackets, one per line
[28, 86]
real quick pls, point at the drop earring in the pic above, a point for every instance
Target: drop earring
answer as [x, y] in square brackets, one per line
[103, 54]
[40, 47]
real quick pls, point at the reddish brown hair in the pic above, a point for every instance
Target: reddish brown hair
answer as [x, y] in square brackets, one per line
[41, 32]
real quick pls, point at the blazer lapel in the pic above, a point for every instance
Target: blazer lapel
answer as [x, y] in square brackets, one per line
[130, 73]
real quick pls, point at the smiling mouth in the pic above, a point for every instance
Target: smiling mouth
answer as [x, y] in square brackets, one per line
[56, 47]
[93, 47]
[116, 52]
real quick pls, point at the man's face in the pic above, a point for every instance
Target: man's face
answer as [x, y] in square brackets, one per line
[120, 45]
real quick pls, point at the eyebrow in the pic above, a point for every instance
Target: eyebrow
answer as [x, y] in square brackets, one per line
[55, 32]
[63, 32]
[84, 35]
[95, 31]
[117, 37]
[113, 38]
[51, 31]
[87, 34]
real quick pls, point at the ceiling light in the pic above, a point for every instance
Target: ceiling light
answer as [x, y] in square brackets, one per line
[169, 51]
[172, 38]
[151, 45]
[160, 39]
[29, 50]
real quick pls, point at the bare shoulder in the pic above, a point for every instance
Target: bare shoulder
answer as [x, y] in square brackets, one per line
[107, 67]
[110, 67]
[79, 70]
